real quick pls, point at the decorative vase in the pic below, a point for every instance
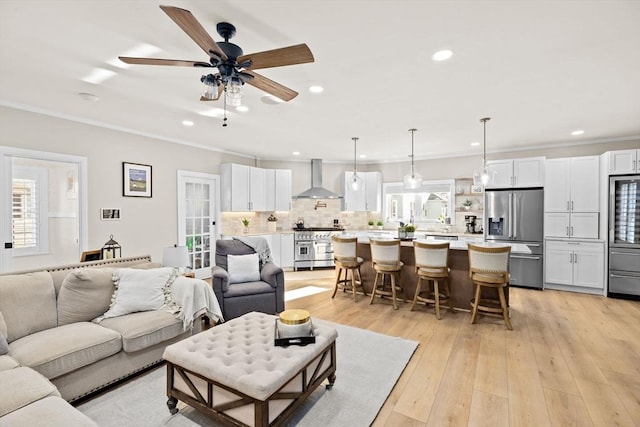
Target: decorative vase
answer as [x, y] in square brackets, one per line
[271, 225]
[245, 229]
[380, 227]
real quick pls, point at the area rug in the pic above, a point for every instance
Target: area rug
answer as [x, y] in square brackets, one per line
[368, 366]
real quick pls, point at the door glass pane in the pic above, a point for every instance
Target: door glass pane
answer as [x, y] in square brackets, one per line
[198, 224]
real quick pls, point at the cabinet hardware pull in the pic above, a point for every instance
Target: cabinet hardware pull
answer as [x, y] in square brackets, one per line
[568, 206]
[567, 231]
[572, 205]
[622, 276]
[575, 258]
[572, 230]
[570, 258]
[622, 253]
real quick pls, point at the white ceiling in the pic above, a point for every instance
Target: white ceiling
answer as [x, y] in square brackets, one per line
[539, 69]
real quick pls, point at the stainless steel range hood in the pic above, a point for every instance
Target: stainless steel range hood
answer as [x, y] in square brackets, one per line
[317, 191]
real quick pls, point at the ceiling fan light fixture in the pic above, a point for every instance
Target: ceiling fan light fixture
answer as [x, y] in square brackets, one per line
[233, 89]
[413, 179]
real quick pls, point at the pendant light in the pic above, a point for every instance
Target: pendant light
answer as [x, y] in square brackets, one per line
[413, 179]
[482, 177]
[356, 180]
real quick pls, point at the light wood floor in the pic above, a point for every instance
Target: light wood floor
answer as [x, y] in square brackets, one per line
[571, 360]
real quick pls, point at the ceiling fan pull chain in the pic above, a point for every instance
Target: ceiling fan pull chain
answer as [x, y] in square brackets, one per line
[224, 124]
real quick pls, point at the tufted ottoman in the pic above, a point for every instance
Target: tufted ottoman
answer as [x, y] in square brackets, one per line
[234, 371]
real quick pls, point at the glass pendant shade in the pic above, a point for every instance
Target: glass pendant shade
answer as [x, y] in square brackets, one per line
[481, 177]
[234, 93]
[413, 179]
[355, 182]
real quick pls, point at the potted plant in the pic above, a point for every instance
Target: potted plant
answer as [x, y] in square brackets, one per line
[371, 224]
[380, 224]
[245, 222]
[409, 230]
[467, 204]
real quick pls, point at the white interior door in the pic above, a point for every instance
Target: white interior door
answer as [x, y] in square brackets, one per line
[43, 209]
[198, 216]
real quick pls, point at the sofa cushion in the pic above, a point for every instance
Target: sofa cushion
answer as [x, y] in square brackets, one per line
[140, 290]
[4, 346]
[243, 268]
[85, 294]
[55, 410]
[24, 295]
[248, 288]
[144, 329]
[63, 349]
[8, 362]
[20, 387]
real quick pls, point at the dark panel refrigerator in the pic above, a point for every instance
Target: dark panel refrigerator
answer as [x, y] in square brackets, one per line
[516, 216]
[624, 236]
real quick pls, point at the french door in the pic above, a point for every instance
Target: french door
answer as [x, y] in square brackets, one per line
[198, 213]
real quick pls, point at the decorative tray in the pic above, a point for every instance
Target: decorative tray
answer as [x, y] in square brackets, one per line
[304, 340]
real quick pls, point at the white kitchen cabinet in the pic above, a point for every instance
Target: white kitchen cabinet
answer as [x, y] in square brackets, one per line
[624, 162]
[516, 173]
[579, 225]
[244, 188]
[278, 189]
[367, 198]
[282, 251]
[574, 264]
[571, 197]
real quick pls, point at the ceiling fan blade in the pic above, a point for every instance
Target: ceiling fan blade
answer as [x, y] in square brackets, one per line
[155, 61]
[269, 86]
[192, 27]
[298, 54]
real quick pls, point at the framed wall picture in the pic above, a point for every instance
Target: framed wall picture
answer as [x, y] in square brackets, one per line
[136, 180]
[110, 214]
[94, 255]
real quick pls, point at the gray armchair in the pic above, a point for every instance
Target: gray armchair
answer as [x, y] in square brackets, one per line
[236, 299]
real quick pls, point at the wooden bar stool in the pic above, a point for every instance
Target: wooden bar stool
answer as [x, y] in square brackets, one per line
[385, 257]
[489, 268]
[345, 258]
[431, 266]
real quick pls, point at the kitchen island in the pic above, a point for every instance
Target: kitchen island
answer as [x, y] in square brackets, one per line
[462, 288]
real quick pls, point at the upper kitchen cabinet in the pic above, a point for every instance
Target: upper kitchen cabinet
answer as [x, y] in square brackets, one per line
[516, 173]
[571, 197]
[624, 162]
[243, 188]
[367, 198]
[278, 193]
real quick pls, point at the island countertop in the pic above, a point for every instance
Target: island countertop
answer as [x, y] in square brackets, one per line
[462, 288]
[461, 245]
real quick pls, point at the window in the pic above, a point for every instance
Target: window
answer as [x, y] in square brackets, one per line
[29, 211]
[429, 204]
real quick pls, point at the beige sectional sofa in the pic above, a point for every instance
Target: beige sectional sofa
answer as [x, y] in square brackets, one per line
[48, 315]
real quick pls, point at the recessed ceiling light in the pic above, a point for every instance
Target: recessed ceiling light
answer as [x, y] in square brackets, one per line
[316, 89]
[577, 132]
[442, 55]
[296, 153]
[98, 75]
[88, 96]
[187, 122]
[475, 143]
[363, 156]
[242, 108]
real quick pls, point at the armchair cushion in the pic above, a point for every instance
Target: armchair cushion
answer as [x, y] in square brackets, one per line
[248, 288]
[243, 268]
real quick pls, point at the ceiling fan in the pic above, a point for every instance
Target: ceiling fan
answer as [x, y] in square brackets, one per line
[234, 68]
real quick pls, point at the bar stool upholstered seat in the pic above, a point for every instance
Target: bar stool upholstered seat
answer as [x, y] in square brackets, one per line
[346, 260]
[489, 268]
[385, 257]
[431, 267]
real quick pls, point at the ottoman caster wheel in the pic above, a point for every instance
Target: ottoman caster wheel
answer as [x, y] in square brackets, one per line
[332, 379]
[172, 402]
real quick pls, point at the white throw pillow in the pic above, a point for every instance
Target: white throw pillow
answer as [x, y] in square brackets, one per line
[243, 268]
[139, 290]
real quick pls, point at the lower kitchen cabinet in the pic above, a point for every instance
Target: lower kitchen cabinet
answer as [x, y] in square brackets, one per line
[574, 265]
[281, 245]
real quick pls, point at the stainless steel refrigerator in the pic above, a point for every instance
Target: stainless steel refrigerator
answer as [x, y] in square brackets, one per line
[516, 216]
[624, 235]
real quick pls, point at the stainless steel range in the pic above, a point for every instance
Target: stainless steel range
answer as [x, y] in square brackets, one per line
[313, 247]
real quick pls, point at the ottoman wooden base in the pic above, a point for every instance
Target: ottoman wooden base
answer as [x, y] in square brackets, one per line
[202, 398]
[236, 374]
